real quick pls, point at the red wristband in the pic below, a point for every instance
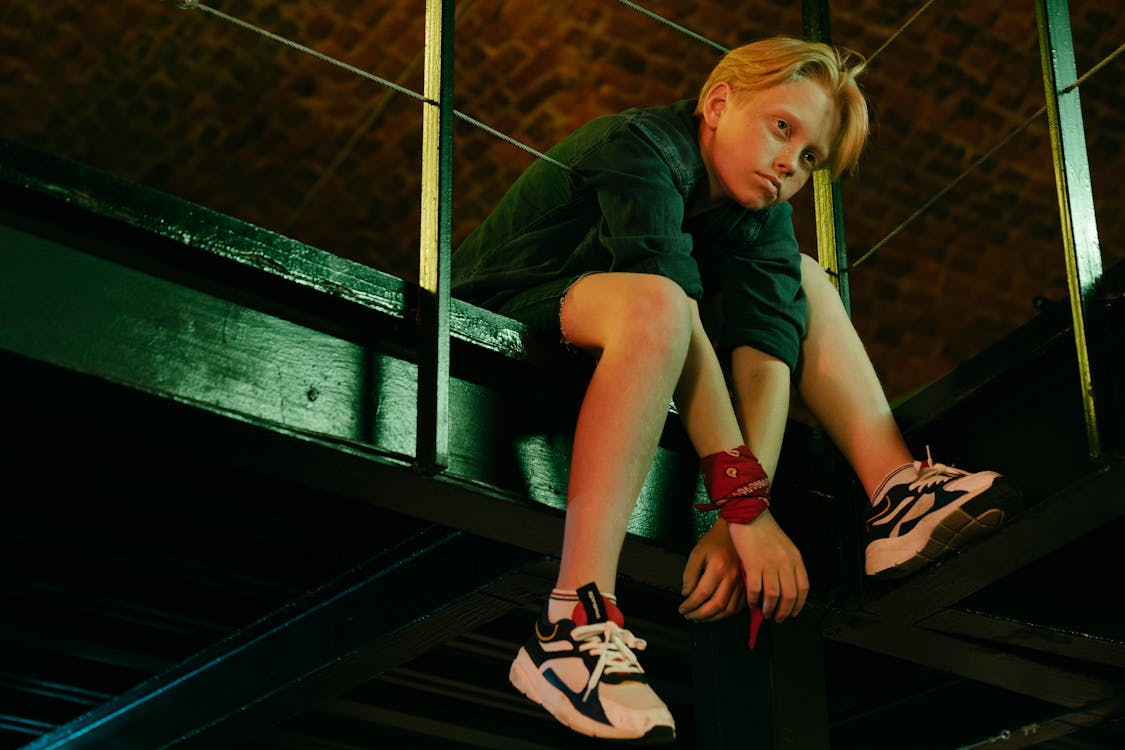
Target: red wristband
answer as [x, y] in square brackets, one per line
[736, 483]
[737, 509]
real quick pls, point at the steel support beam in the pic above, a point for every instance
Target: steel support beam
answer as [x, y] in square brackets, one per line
[337, 636]
[1059, 684]
[435, 252]
[1078, 218]
[272, 343]
[1021, 633]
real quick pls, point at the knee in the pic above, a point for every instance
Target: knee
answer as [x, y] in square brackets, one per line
[656, 314]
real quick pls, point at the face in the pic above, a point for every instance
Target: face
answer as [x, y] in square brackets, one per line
[760, 147]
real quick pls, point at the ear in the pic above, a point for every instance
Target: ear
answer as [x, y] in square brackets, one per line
[715, 103]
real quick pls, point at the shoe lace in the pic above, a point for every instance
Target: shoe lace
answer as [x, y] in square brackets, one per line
[931, 473]
[613, 645]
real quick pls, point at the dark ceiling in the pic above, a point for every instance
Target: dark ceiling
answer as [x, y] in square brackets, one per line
[189, 103]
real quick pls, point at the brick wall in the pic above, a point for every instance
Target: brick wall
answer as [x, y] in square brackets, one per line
[188, 103]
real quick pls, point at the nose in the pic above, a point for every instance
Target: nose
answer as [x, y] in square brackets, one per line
[784, 162]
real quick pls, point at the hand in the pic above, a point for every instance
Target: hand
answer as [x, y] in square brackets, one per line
[712, 580]
[775, 575]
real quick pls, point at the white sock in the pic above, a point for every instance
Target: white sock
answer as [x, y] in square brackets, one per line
[560, 606]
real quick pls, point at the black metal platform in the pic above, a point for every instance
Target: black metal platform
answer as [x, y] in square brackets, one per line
[213, 535]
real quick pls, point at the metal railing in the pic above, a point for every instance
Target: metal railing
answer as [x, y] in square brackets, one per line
[1082, 252]
[1076, 209]
[435, 245]
[1072, 177]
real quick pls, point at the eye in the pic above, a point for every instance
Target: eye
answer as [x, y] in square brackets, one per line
[810, 159]
[783, 127]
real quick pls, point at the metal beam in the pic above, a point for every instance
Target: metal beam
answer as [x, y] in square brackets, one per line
[1008, 631]
[798, 684]
[168, 237]
[1053, 726]
[196, 308]
[1012, 671]
[337, 636]
[435, 252]
[330, 399]
[1076, 208]
[653, 553]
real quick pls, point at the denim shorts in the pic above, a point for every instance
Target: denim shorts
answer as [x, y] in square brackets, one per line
[540, 306]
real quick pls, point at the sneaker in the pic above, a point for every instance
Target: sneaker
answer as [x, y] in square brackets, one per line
[923, 512]
[585, 672]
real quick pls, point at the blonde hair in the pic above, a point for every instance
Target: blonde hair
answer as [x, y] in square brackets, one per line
[772, 62]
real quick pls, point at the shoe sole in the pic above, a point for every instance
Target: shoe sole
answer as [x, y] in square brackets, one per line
[977, 517]
[526, 678]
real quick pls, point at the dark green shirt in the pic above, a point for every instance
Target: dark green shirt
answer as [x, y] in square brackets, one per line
[622, 206]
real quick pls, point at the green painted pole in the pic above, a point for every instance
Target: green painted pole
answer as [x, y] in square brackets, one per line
[435, 250]
[1076, 207]
[831, 247]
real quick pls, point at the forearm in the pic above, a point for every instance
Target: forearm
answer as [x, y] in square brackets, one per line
[761, 401]
[702, 398]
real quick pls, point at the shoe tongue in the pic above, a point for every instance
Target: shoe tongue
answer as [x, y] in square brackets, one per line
[592, 608]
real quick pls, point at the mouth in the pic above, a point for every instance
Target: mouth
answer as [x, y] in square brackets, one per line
[773, 182]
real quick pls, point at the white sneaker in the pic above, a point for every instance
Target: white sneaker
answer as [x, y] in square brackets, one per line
[585, 672]
[924, 511]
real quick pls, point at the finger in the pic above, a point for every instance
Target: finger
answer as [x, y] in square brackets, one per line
[735, 603]
[715, 577]
[712, 584]
[738, 602]
[787, 599]
[702, 592]
[753, 587]
[802, 589]
[690, 606]
[771, 592]
[692, 570]
[695, 592]
[715, 607]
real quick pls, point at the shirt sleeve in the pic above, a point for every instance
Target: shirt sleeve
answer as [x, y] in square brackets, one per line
[763, 303]
[642, 210]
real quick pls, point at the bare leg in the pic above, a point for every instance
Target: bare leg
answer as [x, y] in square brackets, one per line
[648, 338]
[639, 327]
[839, 385]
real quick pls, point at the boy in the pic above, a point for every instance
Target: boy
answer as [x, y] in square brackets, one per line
[613, 252]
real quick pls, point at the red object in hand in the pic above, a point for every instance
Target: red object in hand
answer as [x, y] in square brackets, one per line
[756, 618]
